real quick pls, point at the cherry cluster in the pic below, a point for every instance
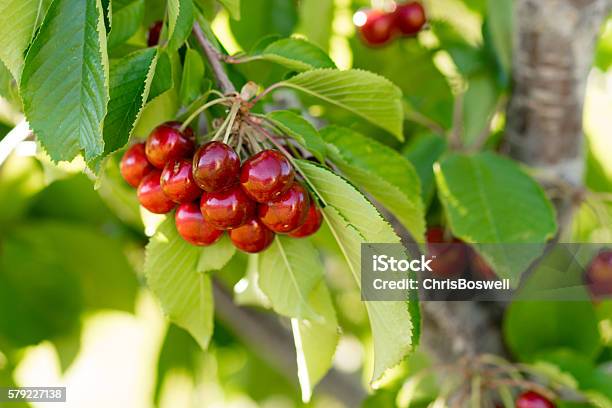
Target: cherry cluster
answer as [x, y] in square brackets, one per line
[216, 193]
[377, 27]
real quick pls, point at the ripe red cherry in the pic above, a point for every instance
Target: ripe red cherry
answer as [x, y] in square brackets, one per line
[215, 166]
[188, 132]
[154, 33]
[266, 176]
[166, 143]
[451, 254]
[134, 164]
[252, 237]
[151, 196]
[375, 26]
[532, 399]
[410, 18]
[312, 223]
[227, 209]
[288, 212]
[177, 182]
[480, 268]
[192, 226]
[599, 274]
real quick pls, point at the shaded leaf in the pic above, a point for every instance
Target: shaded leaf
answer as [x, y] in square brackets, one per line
[64, 85]
[301, 130]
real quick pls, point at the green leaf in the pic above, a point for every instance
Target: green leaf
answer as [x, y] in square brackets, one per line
[163, 79]
[363, 93]
[233, 7]
[479, 104]
[296, 54]
[130, 81]
[288, 273]
[499, 26]
[504, 205]
[39, 298]
[127, 18]
[193, 77]
[215, 257]
[315, 342]
[536, 327]
[424, 87]
[353, 221]
[64, 85]
[107, 283]
[315, 22]
[381, 171]
[20, 179]
[423, 150]
[264, 17]
[180, 22]
[18, 22]
[301, 130]
[247, 290]
[185, 294]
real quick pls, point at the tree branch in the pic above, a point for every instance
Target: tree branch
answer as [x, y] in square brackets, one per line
[214, 59]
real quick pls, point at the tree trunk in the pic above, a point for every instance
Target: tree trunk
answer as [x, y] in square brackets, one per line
[553, 52]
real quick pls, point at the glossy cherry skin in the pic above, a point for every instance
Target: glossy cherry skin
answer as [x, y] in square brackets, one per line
[151, 196]
[135, 165]
[252, 237]
[227, 209]
[451, 254]
[531, 399]
[215, 166]
[599, 274]
[188, 132]
[267, 175]
[312, 223]
[288, 212]
[167, 143]
[410, 18]
[192, 226]
[154, 33]
[177, 182]
[377, 27]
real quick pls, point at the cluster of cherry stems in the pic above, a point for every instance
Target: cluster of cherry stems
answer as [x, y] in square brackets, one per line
[213, 192]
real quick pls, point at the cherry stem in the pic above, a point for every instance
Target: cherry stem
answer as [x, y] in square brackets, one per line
[232, 119]
[214, 59]
[266, 92]
[202, 109]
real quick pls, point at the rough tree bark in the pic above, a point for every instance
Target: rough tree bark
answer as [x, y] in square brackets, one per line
[553, 52]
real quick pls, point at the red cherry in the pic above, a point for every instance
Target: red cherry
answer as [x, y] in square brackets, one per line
[166, 143]
[288, 212]
[177, 182]
[154, 33]
[599, 274]
[227, 209]
[215, 166]
[188, 132]
[252, 237]
[480, 268]
[451, 254]
[134, 164]
[410, 18]
[532, 399]
[151, 196]
[266, 176]
[192, 226]
[375, 26]
[312, 223]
